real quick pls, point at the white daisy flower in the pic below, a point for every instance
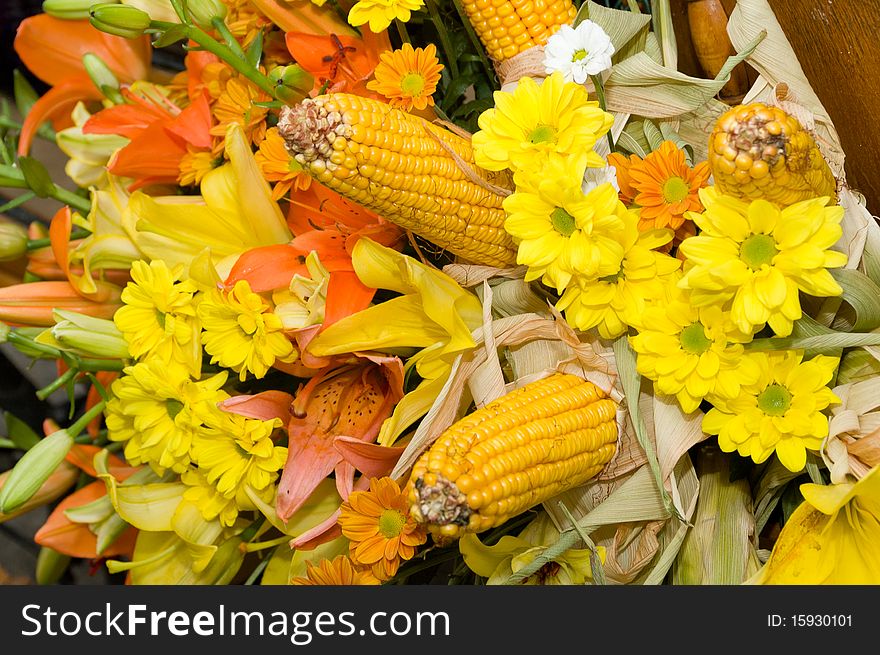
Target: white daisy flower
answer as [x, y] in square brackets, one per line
[594, 177]
[578, 53]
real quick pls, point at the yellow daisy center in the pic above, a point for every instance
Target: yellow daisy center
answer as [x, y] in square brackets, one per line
[579, 54]
[694, 340]
[774, 400]
[173, 407]
[675, 189]
[563, 222]
[412, 84]
[543, 134]
[391, 523]
[758, 250]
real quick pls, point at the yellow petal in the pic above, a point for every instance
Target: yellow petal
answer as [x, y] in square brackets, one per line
[486, 560]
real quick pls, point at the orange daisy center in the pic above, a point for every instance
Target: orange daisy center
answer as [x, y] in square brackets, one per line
[412, 84]
[675, 189]
[391, 523]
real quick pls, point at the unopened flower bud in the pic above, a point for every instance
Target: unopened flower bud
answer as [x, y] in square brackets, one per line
[51, 565]
[68, 9]
[13, 241]
[121, 20]
[102, 76]
[203, 12]
[33, 470]
[292, 83]
[86, 336]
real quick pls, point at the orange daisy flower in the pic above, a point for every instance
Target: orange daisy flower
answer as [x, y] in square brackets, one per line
[408, 77]
[194, 165]
[622, 164]
[277, 165]
[380, 528]
[236, 104]
[338, 571]
[667, 188]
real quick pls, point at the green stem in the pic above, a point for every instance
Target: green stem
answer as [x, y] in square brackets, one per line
[227, 55]
[8, 123]
[17, 339]
[600, 96]
[76, 202]
[444, 37]
[251, 531]
[478, 45]
[95, 365]
[35, 244]
[86, 418]
[252, 578]
[15, 202]
[401, 30]
[56, 384]
[7, 443]
[230, 40]
[263, 545]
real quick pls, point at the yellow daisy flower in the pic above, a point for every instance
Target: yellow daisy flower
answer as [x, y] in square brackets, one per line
[278, 166]
[616, 301]
[235, 452]
[380, 528]
[338, 571]
[532, 121]
[561, 232]
[241, 332]
[380, 13]
[159, 316]
[408, 77]
[210, 502]
[158, 410]
[781, 411]
[759, 256]
[692, 352]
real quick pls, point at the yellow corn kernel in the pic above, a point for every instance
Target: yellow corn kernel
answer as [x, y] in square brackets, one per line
[757, 151]
[509, 27]
[514, 453]
[415, 174]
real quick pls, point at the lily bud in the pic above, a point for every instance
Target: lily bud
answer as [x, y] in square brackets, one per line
[33, 470]
[121, 20]
[102, 77]
[51, 565]
[13, 241]
[85, 335]
[68, 9]
[203, 12]
[292, 83]
[52, 489]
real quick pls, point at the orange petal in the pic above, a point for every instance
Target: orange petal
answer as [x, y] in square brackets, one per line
[75, 539]
[303, 16]
[193, 124]
[371, 459]
[268, 267]
[82, 457]
[53, 49]
[154, 154]
[310, 458]
[56, 101]
[346, 295]
[264, 406]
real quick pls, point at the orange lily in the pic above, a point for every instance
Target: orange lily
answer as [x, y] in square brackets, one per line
[303, 16]
[32, 303]
[76, 539]
[52, 49]
[159, 131]
[337, 61]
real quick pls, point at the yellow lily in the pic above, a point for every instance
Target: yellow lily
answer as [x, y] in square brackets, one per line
[235, 213]
[433, 314]
[497, 563]
[831, 538]
[89, 153]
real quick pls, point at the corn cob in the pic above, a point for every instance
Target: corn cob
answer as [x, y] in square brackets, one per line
[508, 27]
[756, 151]
[405, 169]
[514, 453]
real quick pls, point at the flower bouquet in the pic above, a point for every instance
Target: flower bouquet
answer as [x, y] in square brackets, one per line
[407, 292]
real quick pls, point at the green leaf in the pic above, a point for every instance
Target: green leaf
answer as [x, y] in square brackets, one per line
[620, 26]
[171, 36]
[652, 134]
[36, 177]
[255, 50]
[24, 93]
[456, 89]
[861, 294]
[20, 432]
